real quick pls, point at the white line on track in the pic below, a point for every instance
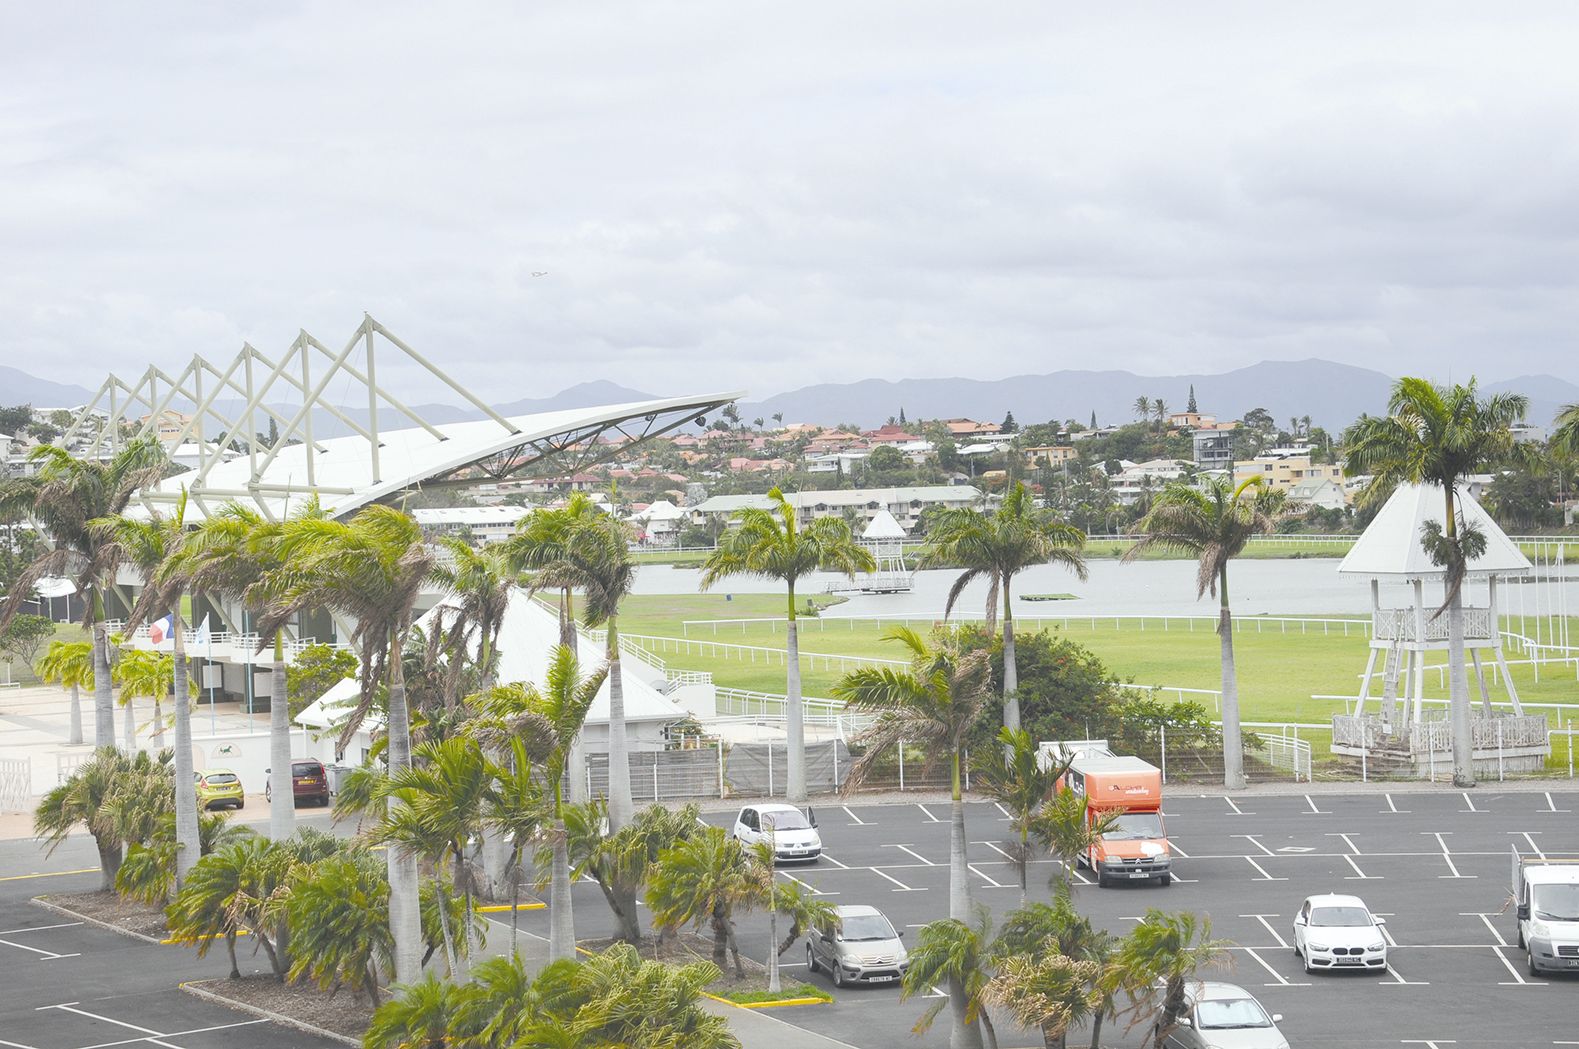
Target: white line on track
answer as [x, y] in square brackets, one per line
[1237, 810]
[1487, 919]
[912, 852]
[39, 928]
[1262, 918]
[1358, 874]
[1394, 808]
[1281, 982]
[928, 812]
[1313, 809]
[902, 886]
[1447, 856]
[1470, 803]
[1251, 838]
[1519, 981]
[859, 822]
[1264, 875]
[994, 884]
[1533, 847]
[1551, 806]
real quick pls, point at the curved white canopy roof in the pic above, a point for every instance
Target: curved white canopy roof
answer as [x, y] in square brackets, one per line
[1390, 546]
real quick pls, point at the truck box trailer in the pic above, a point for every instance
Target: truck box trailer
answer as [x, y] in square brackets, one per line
[1135, 848]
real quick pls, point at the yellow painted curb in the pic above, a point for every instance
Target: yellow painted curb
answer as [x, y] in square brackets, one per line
[207, 936]
[767, 1005]
[494, 908]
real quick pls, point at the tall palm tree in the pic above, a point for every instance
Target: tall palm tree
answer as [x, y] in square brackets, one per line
[706, 878]
[1022, 785]
[63, 498]
[1040, 928]
[770, 544]
[233, 555]
[997, 547]
[1143, 408]
[1048, 991]
[118, 797]
[1159, 959]
[1064, 828]
[933, 704]
[149, 675]
[956, 954]
[621, 863]
[69, 664]
[595, 558]
[371, 570]
[1565, 430]
[1436, 435]
[1212, 524]
[1159, 408]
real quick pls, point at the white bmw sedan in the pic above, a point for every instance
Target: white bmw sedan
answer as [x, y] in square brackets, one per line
[1339, 932]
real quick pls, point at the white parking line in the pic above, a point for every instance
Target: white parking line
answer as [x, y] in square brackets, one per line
[1358, 874]
[1251, 838]
[859, 822]
[176, 1034]
[39, 928]
[1347, 841]
[1470, 803]
[1551, 806]
[1519, 981]
[902, 886]
[1394, 808]
[153, 1036]
[1387, 937]
[836, 863]
[1006, 817]
[1173, 845]
[994, 884]
[1533, 847]
[1401, 982]
[49, 956]
[1437, 1044]
[1262, 918]
[1264, 875]
[912, 852]
[1447, 856]
[806, 885]
[1313, 809]
[1275, 974]
[994, 847]
[928, 812]
[1237, 810]
[1487, 919]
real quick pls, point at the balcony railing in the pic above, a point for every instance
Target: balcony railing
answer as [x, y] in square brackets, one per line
[1398, 624]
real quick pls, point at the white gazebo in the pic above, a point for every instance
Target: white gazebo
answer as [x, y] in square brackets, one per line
[884, 539]
[1407, 725]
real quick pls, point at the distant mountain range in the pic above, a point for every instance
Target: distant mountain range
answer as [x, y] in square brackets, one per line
[1332, 394]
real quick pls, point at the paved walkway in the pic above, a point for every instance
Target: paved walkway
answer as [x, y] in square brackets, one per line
[760, 1029]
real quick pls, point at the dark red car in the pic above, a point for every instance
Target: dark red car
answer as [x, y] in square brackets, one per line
[309, 782]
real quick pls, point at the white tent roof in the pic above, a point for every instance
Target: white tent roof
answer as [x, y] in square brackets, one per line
[662, 510]
[527, 637]
[884, 526]
[1391, 543]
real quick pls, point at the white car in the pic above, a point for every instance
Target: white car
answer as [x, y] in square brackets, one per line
[792, 832]
[1222, 1016]
[1339, 932]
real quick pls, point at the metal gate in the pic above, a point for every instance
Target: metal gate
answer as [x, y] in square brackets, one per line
[16, 784]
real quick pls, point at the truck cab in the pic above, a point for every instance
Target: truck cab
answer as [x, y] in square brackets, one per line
[1546, 900]
[1136, 847]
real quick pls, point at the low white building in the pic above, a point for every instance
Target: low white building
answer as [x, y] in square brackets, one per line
[659, 523]
[1324, 494]
[484, 524]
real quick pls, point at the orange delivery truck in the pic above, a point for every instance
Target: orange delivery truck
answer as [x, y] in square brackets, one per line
[1136, 847]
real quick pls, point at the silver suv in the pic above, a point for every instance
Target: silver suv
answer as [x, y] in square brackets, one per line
[860, 945]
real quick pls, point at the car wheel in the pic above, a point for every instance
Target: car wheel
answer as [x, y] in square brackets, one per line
[1296, 949]
[1305, 963]
[1535, 970]
[1165, 881]
[1521, 937]
[241, 804]
[323, 800]
[1102, 880]
[837, 972]
[811, 959]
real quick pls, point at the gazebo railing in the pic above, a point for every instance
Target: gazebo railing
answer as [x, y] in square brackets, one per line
[1398, 624]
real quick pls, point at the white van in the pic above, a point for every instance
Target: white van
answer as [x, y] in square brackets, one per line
[1546, 897]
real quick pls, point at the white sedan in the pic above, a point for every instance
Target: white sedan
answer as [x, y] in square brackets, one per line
[1339, 932]
[793, 835]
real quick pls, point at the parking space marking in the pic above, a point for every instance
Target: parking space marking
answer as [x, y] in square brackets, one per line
[1264, 875]
[1173, 844]
[49, 874]
[928, 813]
[807, 885]
[1470, 803]
[1313, 809]
[16, 1045]
[1533, 847]
[1251, 838]
[1005, 818]
[148, 1034]
[912, 852]
[1387, 937]
[1237, 810]
[1551, 806]
[176, 1034]
[859, 822]
[49, 956]
[1281, 982]
[1487, 919]
[1355, 849]
[1358, 874]
[902, 886]
[1262, 918]
[1394, 808]
[1519, 981]
[39, 928]
[989, 880]
[836, 863]
[1438, 834]
[1401, 981]
[153, 1036]
[1428, 1042]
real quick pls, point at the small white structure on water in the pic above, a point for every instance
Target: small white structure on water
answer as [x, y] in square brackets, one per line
[884, 539]
[1408, 727]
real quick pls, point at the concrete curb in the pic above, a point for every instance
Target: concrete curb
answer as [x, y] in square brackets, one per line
[48, 905]
[196, 991]
[775, 1004]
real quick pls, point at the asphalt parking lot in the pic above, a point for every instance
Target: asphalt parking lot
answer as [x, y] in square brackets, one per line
[1435, 864]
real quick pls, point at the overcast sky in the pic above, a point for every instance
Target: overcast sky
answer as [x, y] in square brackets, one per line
[743, 195]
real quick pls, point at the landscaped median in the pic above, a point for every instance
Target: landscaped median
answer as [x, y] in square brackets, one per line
[800, 994]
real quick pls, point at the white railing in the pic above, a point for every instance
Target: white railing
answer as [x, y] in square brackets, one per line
[1290, 753]
[1325, 626]
[1398, 624]
[751, 653]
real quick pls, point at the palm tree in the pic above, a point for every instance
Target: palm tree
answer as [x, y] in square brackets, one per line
[1436, 435]
[1064, 829]
[370, 569]
[955, 954]
[1159, 407]
[932, 704]
[64, 497]
[147, 873]
[118, 797]
[1047, 991]
[422, 1015]
[1160, 958]
[1143, 408]
[997, 547]
[770, 544]
[234, 890]
[624, 1000]
[1022, 785]
[1213, 523]
[339, 920]
[1040, 928]
[151, 675]
[70, 664]
[1565, 430]
[622, 863]
[515, 809]
[706, 878]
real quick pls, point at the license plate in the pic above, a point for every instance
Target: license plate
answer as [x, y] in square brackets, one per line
[881, 979]
[1139, 874]
[1349, 961]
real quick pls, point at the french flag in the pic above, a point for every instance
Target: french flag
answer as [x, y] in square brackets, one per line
[160, 629]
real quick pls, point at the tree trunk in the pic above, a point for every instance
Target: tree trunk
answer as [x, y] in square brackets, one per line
[576, 771]
[76, 716]
[109, 865]
[562, 919]
[773, 949]
[188, 848]
[1011, 670]
[230, 945]
[450, 958]
[720, 939]
[623, 903]
[621, 809]
[1023, 862]
[964, 1035]
[515, 904]
[734, 949]
[1233, 745]
[405, 915]
[103, 694]
[1096, 1031]
[794, 712]
[282, 789]
[157, 739]
[958, 885]
[129, 721]
[1458, 696]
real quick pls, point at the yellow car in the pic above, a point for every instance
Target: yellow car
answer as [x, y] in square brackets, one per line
[219, 787]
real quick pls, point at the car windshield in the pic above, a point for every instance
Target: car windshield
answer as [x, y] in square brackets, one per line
[1218, 1014]
[866, 927]
[1135, 826]
[1340, 917]
[789, 819]
[1556, 903]
[219, 780]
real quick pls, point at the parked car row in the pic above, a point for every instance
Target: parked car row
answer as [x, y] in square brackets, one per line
[218, 788]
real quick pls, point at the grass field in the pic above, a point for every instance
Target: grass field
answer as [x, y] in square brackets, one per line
[1282, 665]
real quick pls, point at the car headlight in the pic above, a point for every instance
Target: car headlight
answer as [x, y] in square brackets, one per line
[1318, 946]
[1377, 947]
